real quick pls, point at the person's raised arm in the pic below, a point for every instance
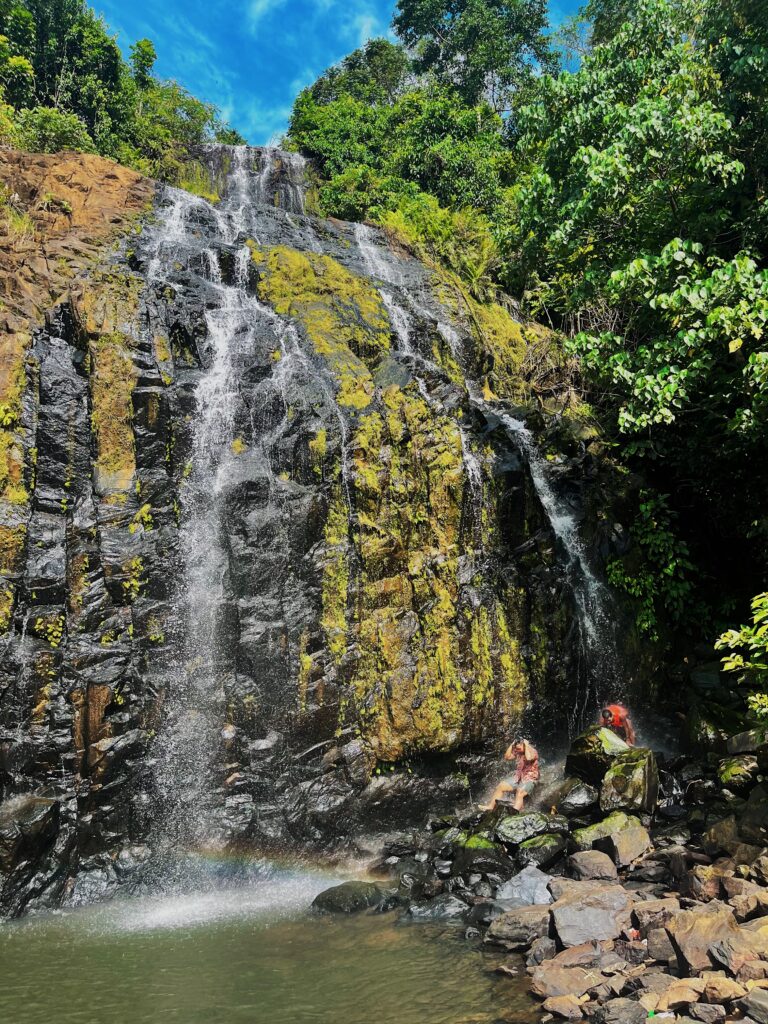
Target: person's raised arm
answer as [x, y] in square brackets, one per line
[509, 753]
[631, 737]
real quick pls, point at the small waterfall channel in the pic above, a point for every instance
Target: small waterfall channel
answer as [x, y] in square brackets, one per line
[592, 599]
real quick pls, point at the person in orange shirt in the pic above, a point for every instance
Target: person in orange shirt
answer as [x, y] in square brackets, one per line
[616, 718]
[523, 779]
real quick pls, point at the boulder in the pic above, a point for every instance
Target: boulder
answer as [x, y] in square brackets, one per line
[719, 989]
[627, 845]
[568, 1007]
[541, 851]
[585, 838]
[592, 865]
[620, 1011]
[579, 798]
[348, 898]
[705, 881]
[518, 928]
[660, 946]
[707, 1014]
[753, 823]
[601, 913]
[631, 782]
[550, 981]
[680, 994]
[738, 773]
[755, 1005]
[529, 886]
[445, 907]
[735, 951]
[541, 949]
[515, 829]
[592, 754]
[650, 914]
[748, 742]
[693, 932]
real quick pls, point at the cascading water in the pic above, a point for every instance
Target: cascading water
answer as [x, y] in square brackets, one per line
[591, 597]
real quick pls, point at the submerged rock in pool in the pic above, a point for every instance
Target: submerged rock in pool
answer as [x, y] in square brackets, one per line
[348, 898]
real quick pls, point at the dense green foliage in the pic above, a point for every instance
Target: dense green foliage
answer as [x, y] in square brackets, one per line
[623, 202]
[748, 656]
[67, 86]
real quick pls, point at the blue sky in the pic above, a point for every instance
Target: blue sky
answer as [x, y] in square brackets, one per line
[251, 57]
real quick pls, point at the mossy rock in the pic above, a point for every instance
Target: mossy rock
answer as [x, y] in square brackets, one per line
[631, 783]
[585, 838]
[738, 773]
[541, 851]
[593, 753]
[515, 829]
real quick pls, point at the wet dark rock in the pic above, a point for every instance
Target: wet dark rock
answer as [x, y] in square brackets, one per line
[348, 898]
[518, 828]
[592, 865]
[529, 886]
[447, 907]
[579, 798]
[541, 851]
[592, 754]
[519, 928]
[626, 845]
[631, 782]
[620, 1011]
[585, 838]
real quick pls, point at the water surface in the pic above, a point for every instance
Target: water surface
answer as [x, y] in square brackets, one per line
[247, 955]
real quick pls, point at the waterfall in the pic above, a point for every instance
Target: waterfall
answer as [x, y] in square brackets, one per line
[195, 733]
[592, 599]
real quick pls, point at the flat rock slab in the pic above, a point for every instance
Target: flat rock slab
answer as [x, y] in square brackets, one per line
[568, 1007]
[626, 846]
[549, 980]
[693, 932]
[590, 865]
[620, 1011]
[583, 917]
[529, 886]
[518, 928]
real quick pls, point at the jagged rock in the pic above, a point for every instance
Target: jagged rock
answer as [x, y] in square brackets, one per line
[693, 933]
[541, 949]
[445, 907]
[578, 798]
[755, 1005]
[550, 981]
[735, 951]
[753, 823]
[721, 989]
[631, 782]
[529, 886]
[568, 1007]
[541, 851]
[654, 914]
[592, 754]
[516, 829]
[585, 838]
[601, 912]
[627, 845]
[680, 994]
[705, 881]
[592, 865]
[660, 946]
[738, 773]
[707, 1014]
[748, 742]
[519, 928]
[348, 898]
[620, 1011]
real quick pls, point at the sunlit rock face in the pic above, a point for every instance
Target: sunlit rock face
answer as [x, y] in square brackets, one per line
[286, 545]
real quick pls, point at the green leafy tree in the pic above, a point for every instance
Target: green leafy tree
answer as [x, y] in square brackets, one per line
[375, 73]
[748, 655]
[143, 57]
[47, 130]
[485, 49]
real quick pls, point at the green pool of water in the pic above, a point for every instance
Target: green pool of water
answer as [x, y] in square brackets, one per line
[247, 956]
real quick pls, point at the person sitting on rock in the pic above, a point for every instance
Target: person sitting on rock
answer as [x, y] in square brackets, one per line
[523, 779]
[616, 718]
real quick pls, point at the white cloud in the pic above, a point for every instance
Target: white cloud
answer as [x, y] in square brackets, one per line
[258, 10]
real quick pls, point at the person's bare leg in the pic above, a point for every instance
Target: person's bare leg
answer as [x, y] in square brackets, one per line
[520, 796]
[498, 793]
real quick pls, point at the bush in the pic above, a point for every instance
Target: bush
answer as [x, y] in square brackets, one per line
[47, 130]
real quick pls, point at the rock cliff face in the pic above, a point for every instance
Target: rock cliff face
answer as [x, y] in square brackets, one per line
[280, 557]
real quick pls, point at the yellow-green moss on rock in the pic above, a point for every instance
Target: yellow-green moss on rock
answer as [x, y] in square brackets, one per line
[342, 314]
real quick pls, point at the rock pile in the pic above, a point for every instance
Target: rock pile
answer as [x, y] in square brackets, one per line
[620, 913]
